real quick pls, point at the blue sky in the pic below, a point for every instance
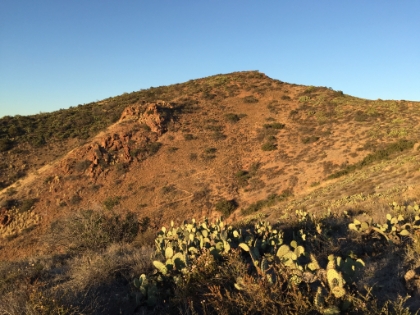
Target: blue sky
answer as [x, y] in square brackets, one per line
[56, 54]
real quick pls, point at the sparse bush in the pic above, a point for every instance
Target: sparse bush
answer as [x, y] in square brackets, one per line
[269, 146]
[121, 168]
[243, 176]
[193, 156]
[233, 118]
[275, 125]
[93, 230]
[210, 150]
[5, 144]
[189, 137]
[111, 202]
[379, 155]
[27, 204]
[153, 147]
[209, 154]
[226, 207]
[218, 136]
[75, 199]
[268, 202]
[250, 99]
[310, 139]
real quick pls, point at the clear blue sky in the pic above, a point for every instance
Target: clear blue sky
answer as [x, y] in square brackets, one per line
[59, 53]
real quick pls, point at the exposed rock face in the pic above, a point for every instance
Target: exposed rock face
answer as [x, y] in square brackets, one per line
[153, 115]
[139, 125]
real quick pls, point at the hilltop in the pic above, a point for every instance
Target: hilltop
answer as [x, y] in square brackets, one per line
[241, 145]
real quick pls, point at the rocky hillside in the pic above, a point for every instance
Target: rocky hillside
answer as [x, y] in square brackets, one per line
[241, 145]
[230, 143]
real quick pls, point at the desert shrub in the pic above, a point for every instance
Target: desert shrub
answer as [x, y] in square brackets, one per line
[226, 207]
[5, 144]
[242, 177]
[233, 118]
[269, 146]
[218, 136]
[268, 202]
[189, 137]
[209, 154]
[310, 139]
[111, 202]
[193, 156]
[93, 230]
[121, 168]
[153, 147]
[144, 126]
[214, 128]
[75, 199]
[27, 204]
[38, 141]
[361, 116]
[168, 189]
[379, 155]
[9, 203]
[250, 99]
[285, 98]
[274, 125]
[148, 149]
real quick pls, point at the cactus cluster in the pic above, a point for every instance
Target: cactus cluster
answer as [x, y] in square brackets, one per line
[180, 245]
[148, 290]
[395, 227]
[19, 221]
[179, 249]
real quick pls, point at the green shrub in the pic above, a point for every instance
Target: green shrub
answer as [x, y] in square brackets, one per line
[243, 176]
[27, 204]
[275, 125]
[250, 99]
[209, 154]
[153, 147]
[233, 118]
[111, 202]
[193, 156]
[210, 150]
[268, 202]
[189, 137]
[379, 155]
[94, 230]
[218, 136]
[269, 146]
[226, 207]
[310, 139]
[5, 144]
[75, 199]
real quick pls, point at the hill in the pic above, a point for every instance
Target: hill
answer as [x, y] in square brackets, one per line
[241, 145]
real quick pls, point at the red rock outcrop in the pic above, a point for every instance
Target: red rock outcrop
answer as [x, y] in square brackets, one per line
[117, 144]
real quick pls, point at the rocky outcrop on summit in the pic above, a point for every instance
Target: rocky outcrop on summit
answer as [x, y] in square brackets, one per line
[153, 115]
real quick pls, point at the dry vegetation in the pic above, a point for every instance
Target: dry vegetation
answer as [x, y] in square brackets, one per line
[85, 192]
